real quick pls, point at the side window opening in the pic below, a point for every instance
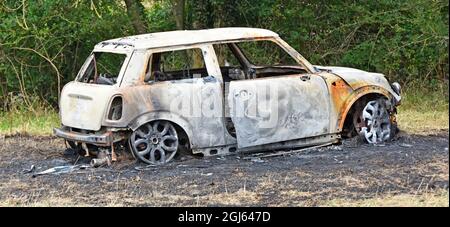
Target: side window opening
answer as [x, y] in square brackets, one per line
[231, 66]
[255, 59]
[176, 65]
[104, 68]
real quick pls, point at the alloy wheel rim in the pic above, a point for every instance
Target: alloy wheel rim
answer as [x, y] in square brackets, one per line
[155, 142]
[377, 121]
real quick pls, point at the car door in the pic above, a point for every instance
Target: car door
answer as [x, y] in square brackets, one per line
[182, 92]
[280, 108]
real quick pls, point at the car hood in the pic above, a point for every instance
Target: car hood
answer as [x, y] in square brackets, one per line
[357, 78]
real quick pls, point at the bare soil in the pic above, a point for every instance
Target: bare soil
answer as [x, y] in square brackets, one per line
[412, 164]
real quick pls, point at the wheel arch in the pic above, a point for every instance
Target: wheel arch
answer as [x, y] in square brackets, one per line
[358, 95]
[178, 121]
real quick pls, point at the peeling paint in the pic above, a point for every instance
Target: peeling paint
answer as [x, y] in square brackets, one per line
[296, 109]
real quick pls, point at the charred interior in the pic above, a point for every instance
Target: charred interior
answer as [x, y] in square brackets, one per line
[176, 65]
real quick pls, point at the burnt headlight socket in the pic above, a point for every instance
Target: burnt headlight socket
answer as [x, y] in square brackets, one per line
[397, 88]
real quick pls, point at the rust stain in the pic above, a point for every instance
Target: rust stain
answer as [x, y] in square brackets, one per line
[340, 92]
[367, 89]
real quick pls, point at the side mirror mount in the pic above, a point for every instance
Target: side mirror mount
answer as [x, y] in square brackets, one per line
[147, 78]
[236, 74]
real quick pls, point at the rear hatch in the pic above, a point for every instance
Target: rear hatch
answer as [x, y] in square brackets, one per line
[83, 105]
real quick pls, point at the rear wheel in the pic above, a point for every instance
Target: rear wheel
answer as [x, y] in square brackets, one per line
[155, 142]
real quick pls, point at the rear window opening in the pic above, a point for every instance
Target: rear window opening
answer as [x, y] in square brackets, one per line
[103, 68]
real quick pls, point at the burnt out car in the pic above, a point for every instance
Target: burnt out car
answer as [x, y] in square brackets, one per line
[215, 92]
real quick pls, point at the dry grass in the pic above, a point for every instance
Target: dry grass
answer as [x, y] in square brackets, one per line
[241, 197]
[438, 199]
[423, 122]
[424, 111]
[45, 202]
[430, 199]
[238, 198]
[32, 123]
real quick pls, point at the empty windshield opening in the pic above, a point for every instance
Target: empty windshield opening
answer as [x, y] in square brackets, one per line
[103, 68]
[266, 53]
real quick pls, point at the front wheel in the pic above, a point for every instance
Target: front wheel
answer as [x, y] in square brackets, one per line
[155, 142]
[378, 127]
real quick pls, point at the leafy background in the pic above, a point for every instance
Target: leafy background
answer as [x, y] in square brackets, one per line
[44, 42]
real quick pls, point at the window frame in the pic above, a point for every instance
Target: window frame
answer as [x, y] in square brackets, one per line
[90, 58]
[290, 51]
[309, 68]
[162, 66]
[208, 55]
[245, 53]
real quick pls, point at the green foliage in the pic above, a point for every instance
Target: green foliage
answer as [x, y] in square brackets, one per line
[160, 17]
[44, 41]
[405, 40]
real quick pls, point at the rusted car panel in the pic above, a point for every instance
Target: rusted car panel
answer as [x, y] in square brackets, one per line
[270, 110]
[209, 113]
[358, 78]
[101, 139]
[194, 103]
[344, 94]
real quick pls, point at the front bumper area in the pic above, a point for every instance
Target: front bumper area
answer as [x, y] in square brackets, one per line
[103, 139]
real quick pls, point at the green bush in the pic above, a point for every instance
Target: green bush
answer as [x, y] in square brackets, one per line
[44, 42]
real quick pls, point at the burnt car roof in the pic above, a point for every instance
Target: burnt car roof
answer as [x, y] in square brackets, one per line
[185, 37]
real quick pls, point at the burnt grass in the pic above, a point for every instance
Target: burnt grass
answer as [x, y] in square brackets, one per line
[412, 164]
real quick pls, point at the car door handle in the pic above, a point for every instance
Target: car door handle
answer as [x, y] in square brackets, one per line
[305, 77]
[243, 94]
